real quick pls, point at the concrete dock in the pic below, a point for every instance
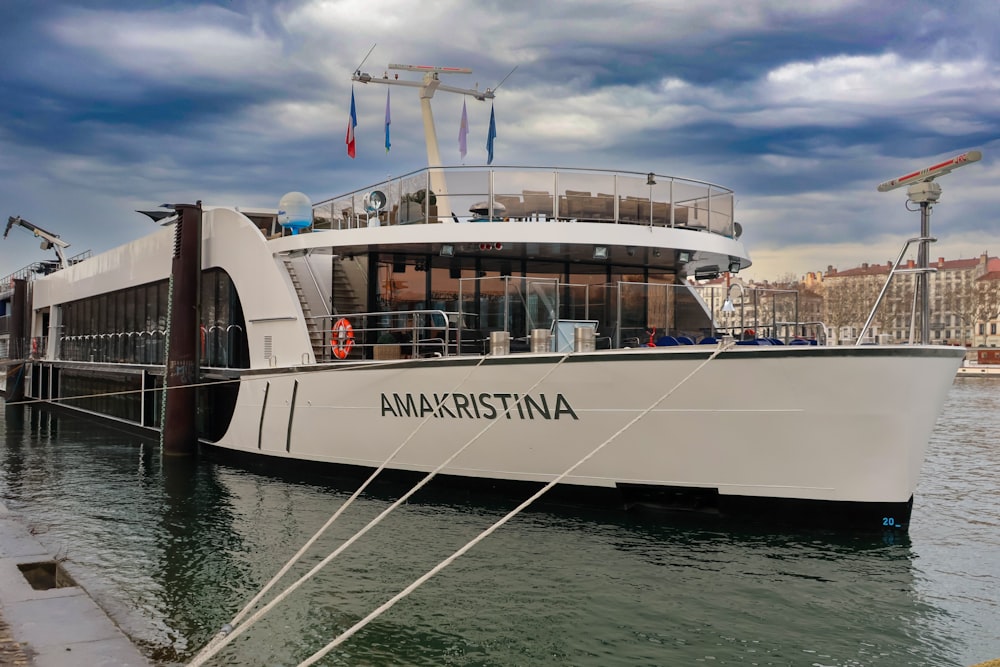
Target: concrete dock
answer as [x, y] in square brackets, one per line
[46, 618]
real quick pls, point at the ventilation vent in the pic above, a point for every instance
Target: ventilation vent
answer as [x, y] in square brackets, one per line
[267, 347]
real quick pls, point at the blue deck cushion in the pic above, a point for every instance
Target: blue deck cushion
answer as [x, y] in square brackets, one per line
[664, 341]
[684, 340]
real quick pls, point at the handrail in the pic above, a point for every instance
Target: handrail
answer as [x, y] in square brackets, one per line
[566, 194]
[413, 328]
[885, 288]
[35, 269]
[426, 331]
[491, 170]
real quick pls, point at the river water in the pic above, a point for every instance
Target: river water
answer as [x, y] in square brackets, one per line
[172, 551]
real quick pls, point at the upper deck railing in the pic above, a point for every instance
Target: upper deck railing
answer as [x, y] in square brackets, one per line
[37, 269]
[519, 193]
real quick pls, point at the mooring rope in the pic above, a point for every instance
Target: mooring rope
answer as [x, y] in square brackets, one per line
[193, 385]
[347, 634]
[62, 400]
[226, 629]
[228, 634]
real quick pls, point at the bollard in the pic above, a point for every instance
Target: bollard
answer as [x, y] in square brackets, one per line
[541, 340]
[499, 343]
[584, 339]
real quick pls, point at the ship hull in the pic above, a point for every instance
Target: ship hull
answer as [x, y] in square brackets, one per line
[819, 428]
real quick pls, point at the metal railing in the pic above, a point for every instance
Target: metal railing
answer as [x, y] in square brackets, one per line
[623, 315]
[36, 269]
[400, 334]
[480, 194]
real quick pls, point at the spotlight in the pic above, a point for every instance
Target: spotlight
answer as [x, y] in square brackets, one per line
[650, 178]
[630, 250]
[447, 250]
[656, 252]
[600, 252]
[734, 265]
[684, 257]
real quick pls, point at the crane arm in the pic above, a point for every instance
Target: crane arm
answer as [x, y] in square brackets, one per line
[49, 240]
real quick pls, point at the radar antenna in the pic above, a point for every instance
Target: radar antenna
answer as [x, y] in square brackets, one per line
[921, 190]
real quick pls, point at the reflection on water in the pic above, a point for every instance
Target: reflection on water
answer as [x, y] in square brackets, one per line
[174, 548]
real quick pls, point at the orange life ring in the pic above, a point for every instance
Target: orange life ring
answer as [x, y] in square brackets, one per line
[34, 347]
[343, 338]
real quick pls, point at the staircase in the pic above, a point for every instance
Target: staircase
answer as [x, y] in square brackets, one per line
[345, 299]
[317, 335]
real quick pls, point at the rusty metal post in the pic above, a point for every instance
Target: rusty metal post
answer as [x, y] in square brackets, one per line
[182, 371]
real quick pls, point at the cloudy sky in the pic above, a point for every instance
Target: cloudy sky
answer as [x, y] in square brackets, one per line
[801, 107]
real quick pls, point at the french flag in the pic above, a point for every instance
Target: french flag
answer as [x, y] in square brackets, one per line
[352, 122]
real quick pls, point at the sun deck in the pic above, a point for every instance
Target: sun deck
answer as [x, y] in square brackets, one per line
[471, 194]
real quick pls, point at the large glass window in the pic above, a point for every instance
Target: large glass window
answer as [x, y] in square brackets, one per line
[593, 298]
[520, 294]
[129, 326]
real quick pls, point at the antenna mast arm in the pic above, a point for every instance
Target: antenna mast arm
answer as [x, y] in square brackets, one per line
[480, 95]
[429, 84]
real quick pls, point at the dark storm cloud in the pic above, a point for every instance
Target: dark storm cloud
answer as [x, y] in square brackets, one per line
[801, 108]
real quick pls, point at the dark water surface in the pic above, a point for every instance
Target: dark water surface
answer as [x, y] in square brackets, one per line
[173, 551]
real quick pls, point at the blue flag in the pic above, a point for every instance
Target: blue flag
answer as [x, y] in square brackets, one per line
[492, 135]
[388, 121]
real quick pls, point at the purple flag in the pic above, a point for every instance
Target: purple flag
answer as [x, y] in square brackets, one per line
[463, 132]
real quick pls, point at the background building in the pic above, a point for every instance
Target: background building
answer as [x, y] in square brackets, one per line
[964, 298]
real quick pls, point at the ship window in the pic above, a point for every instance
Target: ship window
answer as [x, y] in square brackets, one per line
[129, 326]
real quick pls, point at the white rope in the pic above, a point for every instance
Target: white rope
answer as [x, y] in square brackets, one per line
[347, 634]
[62, 400]
[209, 649]
[229, 634]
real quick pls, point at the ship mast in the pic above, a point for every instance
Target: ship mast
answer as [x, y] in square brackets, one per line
[430, 84]
[923, 191]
